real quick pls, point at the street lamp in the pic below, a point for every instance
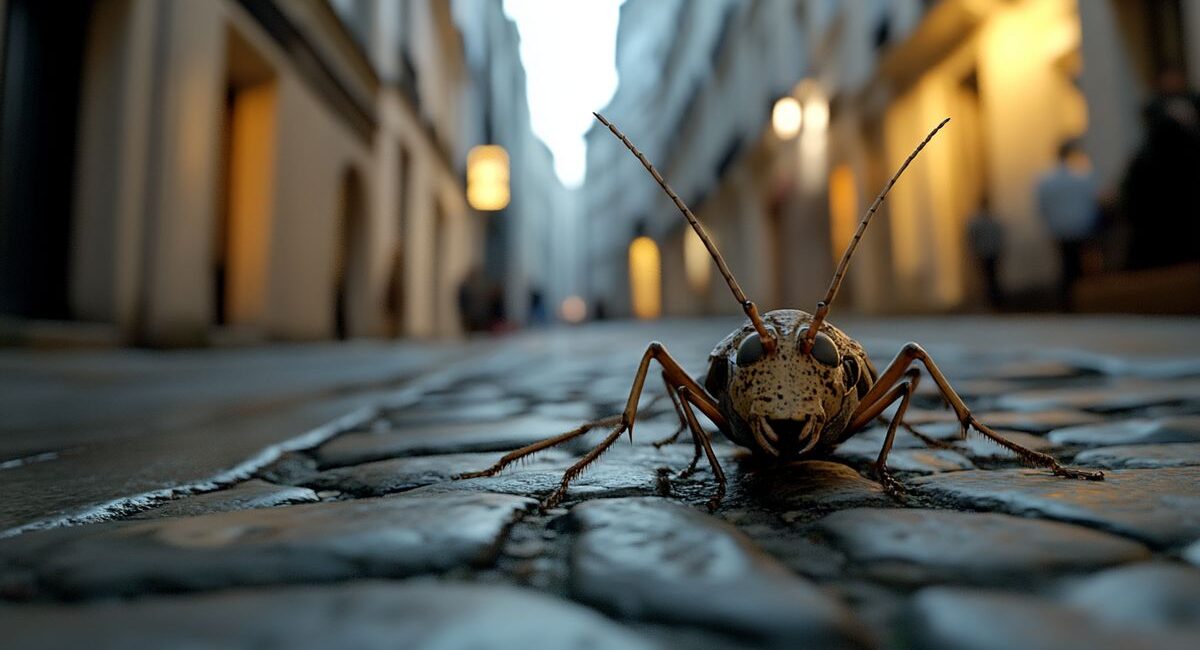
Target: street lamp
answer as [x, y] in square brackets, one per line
[816, 110]
[786, 118]
[487, 177]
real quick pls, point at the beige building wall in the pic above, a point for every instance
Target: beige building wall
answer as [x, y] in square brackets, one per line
[111, 168]
[1007, 85]
[202, 140]
[319, 204]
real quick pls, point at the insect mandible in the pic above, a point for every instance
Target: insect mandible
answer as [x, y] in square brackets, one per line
[787, 385]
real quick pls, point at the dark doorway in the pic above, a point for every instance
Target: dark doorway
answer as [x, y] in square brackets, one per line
[348, 255]
[39, 105]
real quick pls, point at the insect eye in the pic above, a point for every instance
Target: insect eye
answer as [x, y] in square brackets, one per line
[824, 349]
[750, 351]
[850, 371]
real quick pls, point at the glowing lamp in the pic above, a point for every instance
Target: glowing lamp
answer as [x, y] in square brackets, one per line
[786, 118]
[487, 177]
[573, 309]
[816, 109]
[645, 278]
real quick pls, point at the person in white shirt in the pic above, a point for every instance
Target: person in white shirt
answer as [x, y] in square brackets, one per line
[1066, 200]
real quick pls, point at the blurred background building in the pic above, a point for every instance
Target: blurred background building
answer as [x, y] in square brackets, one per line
[179, 173]
[182, 173]
[699, 82]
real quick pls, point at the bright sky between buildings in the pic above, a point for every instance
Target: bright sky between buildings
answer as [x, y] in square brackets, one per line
[568, 50]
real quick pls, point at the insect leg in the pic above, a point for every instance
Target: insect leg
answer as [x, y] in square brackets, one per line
[575, 470]
[517, 454]
[929, 441]
[678, 411]
[675, 376]
[910, 353]
[902, 391]
[701, 439]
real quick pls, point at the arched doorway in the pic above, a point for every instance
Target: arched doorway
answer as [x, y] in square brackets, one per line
[349, 258]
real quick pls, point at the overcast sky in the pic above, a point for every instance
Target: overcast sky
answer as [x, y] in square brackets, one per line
[567, 47]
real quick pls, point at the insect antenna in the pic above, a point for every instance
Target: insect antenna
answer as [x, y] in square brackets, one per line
[747, 305]
[839, 273]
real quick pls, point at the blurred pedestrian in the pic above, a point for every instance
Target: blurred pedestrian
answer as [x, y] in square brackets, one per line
[1066, 200]
[537, 308]
[473, 306]
[985, 236]
[1157, 189]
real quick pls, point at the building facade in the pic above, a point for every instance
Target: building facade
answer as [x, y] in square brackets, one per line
[1017, 77]
[531, 245]
[183, 173]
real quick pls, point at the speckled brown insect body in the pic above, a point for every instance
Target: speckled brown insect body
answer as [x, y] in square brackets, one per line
[787, 384]
[789, 404]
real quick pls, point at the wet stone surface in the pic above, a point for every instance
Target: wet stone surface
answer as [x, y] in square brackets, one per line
[1037, 421]
[361, 615]
[1160, 507]
[914, 546]
[958, 618]
[250, 494]
[814, 486]
[1141, 456]
[401, 474]
[388, 537]
[652, 559]
[367, 540]
[1134, 431]
[445, 438]
[1147, 596]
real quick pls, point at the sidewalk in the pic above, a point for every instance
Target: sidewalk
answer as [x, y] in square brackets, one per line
[82, 429]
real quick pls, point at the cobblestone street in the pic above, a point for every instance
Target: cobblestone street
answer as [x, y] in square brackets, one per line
[365, 541]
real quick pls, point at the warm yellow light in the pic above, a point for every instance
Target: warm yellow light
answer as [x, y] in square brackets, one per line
[816, 112]
[786, 118]
[843, 208]
[487, 177]
[645, 278]
[573, 309]
[696, 261]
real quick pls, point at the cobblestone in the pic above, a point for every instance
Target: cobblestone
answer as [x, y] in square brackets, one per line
[1161, 507]
[389, 537]
[980, 553]
[365, 615]
[400, 474]
[243, 496]
[438, 438]
[1134, 431]
[653, 559]
[1148, 596]
[915, 546]
[1181, 454]
[815, 485]
[963, 619]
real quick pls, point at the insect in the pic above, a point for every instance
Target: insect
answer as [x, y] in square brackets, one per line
[787, 384]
